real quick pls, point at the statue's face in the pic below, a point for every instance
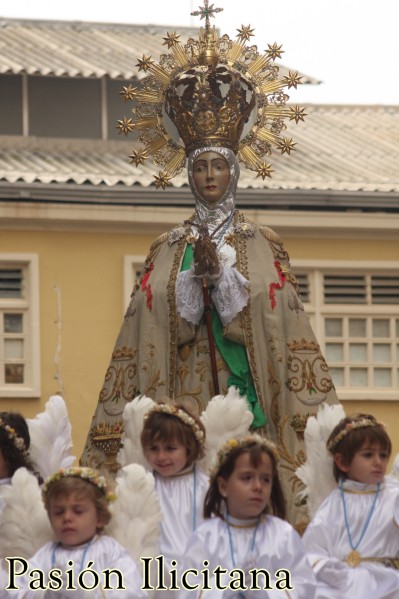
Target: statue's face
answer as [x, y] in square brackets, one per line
[211, 175]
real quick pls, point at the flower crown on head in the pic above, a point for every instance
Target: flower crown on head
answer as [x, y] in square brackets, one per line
[11, 433]
[242, 443]
[349, 427]
[88, 474]
[174, 410]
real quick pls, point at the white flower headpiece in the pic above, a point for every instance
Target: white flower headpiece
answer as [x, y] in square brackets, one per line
[11, 433]
[89, 474]
[174, 410]
[240, 442]
[349, 427]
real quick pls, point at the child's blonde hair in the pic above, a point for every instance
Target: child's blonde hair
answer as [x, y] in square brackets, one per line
[87, 483]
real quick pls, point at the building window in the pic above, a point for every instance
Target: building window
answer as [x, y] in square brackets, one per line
[64, 107]
[10, 105]
[355, 316]
[133, 265]
[19, 330]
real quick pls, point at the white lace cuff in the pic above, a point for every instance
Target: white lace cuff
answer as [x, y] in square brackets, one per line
[189, 298]
[230, 294]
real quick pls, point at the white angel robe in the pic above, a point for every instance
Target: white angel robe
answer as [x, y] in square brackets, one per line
[272, 544]
[327, 543]
[104, 552]
[181, 498]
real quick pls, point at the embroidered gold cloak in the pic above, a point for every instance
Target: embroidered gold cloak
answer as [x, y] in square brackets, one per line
[159, 354]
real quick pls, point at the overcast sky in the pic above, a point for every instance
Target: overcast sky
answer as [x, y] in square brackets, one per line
[352, 46]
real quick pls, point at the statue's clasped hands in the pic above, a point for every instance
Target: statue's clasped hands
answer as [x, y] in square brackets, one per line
[206, 261]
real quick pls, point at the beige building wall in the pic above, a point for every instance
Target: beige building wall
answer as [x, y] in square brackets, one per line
[88, 270]
[81, 252]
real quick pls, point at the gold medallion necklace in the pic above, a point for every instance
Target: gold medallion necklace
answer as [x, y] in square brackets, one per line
[354, 558]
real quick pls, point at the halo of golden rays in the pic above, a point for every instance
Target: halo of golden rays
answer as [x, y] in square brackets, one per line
[256, 67]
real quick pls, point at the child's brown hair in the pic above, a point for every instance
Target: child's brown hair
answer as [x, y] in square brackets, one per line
[351, 434]
[227, 457]
[168, 423]
[15, 442]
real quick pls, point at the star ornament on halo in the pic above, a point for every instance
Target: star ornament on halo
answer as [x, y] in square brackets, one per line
[125, 126]
[264, 170]
[245, 33]
[128, 92]
[286, 145]
[162, 180]
[293, 79]
[138, 157]
[144, 63]
[171, 39]
[274, 51]
[297, 114]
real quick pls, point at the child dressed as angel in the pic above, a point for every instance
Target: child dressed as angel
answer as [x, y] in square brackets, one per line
[353, 539]
[82, 558]
[173, 442]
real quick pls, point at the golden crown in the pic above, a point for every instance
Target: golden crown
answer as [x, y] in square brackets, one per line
[208, 89]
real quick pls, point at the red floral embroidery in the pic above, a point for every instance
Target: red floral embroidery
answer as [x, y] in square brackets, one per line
[144, 284]
[273, 287]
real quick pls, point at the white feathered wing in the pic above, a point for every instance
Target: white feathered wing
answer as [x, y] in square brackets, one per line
[136, 514]
[51, 437]
[24, 524]
[317, 472]
[131, 451]
[225, 416]
[394, 472]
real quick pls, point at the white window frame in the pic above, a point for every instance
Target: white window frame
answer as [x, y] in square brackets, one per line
[317, 310]
[131, 264]
[30, 305]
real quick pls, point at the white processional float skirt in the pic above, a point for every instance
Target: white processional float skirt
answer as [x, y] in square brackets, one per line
[327, 537]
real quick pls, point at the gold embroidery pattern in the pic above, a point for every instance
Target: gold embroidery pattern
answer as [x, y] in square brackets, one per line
[197, 352]
[288, 461]
[245, 228]
[298, 423]
[307, 372]
[171, 299]
[270, 235]
[108, 439]
[118, 385]
[176, 234]
[242, 266]
[279, 252]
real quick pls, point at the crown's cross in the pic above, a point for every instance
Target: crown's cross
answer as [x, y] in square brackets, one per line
[205, 12]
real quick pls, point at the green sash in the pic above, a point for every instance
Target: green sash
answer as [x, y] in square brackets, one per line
[235, 356]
